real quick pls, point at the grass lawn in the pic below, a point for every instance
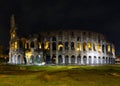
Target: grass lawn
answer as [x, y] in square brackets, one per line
[17, 75]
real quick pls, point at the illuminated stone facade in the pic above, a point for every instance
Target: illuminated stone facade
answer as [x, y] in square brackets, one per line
[74, 47]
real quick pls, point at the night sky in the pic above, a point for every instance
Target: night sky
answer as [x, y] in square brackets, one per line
[33, 16]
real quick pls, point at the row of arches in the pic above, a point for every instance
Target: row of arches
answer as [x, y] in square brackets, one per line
[85, 46]
[63, 60]
[25, 60]
[84, 60]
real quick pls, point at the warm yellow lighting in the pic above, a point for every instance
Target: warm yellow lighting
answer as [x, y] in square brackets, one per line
[94, 46]
[89, 46]
[28, 55]
[113, 50]
[99, 48]
[13, 35]
[40, 45]
[78, 47]
[47, 45]
[60, 46]
[16, 45]
[108, 48]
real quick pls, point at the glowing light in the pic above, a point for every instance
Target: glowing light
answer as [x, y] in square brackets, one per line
[28, 54]
[89, 46]
[113, 50]
[108, 48]
[13, 35]
[79, 47]
[16, 45]
[47, 45]
[40, 45]
[60, 46]
[99, 48]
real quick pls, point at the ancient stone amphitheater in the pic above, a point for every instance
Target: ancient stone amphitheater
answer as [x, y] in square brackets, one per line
[78, 47]
[61, 47]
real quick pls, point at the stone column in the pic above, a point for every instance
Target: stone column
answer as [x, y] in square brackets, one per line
[75, 59]
[87, 59]
[81, 59]
[69, 59]
[63, 57]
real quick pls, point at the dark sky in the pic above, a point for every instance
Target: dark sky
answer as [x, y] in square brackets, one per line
[38, 15]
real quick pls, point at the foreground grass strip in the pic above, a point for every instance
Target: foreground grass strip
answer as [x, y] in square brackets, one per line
[17, 75]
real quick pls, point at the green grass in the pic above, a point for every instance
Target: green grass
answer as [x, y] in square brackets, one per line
[17, 75]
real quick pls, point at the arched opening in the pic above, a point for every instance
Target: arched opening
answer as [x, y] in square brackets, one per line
[84, 59]
[54, 46]
[60, 46]
[95, 60]
[94, 46]
[53, 38]
[78, 47]
[103, 48]
[60, 60]
[48, 59]
[107, 60]
[110, 60]
[54, 59]
[14, 59]
[38, 58]
[84, 35]
[66, 59]
[26, 46]
[103, 60]
[108, 48]
[19, 60]
[42, 45]
[89, 46]
[39, 44]
[99, 48]
[72, 59]
[31, 59]
[78, 59]
[99, 60]
[32, 44]
[78, 38]
[66, 46]
[47, 45]
[90, 60]
[20, 44]
[72, 46]
[84, 46]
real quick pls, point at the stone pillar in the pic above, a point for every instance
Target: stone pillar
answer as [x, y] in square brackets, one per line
[69, 59]
[105, 52]
[81, 59]
[75, 59]
[63, 57]
[87, 59]
[92, 59]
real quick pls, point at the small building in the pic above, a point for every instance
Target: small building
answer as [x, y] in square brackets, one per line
[117, 59]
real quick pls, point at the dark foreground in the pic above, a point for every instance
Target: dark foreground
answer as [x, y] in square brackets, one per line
[107, 75]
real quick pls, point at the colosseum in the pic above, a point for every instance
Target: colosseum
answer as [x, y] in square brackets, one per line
[60, 47]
